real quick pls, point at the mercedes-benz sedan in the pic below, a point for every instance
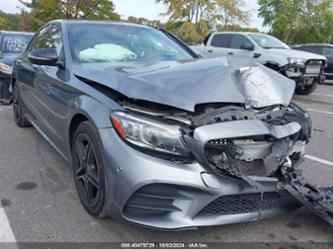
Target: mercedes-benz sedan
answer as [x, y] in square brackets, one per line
[155, 135]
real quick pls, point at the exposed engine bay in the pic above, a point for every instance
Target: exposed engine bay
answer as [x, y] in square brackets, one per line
[245, 136]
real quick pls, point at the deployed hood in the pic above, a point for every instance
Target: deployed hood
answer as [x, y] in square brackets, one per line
[8, 58]
[293, 53]
[186, 84]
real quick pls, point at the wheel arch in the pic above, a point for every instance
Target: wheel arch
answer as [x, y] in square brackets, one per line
[273, 65]
[76, 120]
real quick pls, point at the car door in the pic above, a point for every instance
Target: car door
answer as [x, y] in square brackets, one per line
[49, 92]
[236, 46]
[219, 45]
[328, 53]
[26, 72]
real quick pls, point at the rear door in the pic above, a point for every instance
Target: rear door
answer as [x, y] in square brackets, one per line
[219, 45]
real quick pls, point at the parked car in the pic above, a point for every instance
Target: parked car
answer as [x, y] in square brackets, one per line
[155, 135]
[306, 69]
[12, 45]
[322, 49]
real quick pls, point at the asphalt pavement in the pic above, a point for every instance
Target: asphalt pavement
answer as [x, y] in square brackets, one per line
[40, 204]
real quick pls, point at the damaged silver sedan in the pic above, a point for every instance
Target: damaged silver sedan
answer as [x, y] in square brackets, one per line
[155, 135]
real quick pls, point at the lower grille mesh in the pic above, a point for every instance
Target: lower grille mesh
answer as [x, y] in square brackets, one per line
[154, 199]
[247, 203]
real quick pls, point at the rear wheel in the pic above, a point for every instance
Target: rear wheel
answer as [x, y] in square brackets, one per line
[307, 89]
[88, 169]
[19, 108]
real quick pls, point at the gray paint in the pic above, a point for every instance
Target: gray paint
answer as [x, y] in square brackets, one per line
[54, 96]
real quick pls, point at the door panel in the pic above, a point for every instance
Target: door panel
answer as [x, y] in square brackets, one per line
[328, 53]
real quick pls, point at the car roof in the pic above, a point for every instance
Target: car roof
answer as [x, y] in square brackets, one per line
[239, 32]
[74, 21]
[15, 32]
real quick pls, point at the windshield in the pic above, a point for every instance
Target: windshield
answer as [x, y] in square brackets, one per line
[14, 43]
[267, 41]
[122, 46]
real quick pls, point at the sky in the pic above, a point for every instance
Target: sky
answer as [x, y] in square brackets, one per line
[143, 8]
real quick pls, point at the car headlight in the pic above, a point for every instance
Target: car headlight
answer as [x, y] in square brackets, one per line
[150, 134]
[296, 61]
[6, 68]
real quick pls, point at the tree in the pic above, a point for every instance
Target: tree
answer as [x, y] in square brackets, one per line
[226, 12]
[298, 21]
[144, 21]
[42, 11]
[2, 20]
[188, 33]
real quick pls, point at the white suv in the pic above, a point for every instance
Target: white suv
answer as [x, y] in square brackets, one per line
[303, 67]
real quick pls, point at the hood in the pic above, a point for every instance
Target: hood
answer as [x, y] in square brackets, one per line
[8, 58]
[186, 84]
[293, 53]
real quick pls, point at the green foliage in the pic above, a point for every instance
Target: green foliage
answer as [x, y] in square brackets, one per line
[298, 21]
[188, 33]
[3, 21]
[42, 11]
[235, 27]
[214, 11]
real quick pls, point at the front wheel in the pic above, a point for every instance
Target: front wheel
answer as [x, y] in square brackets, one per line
[88, 169]
[307, 89]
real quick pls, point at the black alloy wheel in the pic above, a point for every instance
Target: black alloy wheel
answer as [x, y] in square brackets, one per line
[88, 169]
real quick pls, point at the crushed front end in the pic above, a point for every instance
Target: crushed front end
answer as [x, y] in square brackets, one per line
[222, 163]
[232, 175]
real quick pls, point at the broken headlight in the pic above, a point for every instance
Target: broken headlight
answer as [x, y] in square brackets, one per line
[150, 134]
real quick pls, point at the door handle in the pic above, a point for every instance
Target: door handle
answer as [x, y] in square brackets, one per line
[230, 53]
[210, 51]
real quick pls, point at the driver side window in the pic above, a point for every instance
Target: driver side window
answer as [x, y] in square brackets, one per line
[237, 41]
[48, 37]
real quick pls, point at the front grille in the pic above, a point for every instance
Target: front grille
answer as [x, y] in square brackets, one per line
[236, 159]
[154, 199]
[247, 203]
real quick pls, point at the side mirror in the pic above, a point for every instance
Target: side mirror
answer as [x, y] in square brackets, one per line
[247, 46]
[44, 56]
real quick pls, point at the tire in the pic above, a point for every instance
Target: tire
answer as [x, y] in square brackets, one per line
[88, 169]
[307, 89]
[19, 109]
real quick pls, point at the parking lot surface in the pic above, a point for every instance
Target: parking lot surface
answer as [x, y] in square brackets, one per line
[40, 204]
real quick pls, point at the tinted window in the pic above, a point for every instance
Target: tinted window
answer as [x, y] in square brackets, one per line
[238, 40]
[14, 43]
[48, 37]
[328, 52]
[222, 40]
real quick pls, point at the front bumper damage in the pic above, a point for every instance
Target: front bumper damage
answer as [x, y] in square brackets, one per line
[237, 171]
[305, 74]
[236, 176]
